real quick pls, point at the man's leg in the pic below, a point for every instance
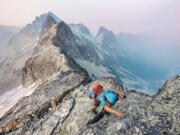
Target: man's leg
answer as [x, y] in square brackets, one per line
[95, 107]
[108, 104]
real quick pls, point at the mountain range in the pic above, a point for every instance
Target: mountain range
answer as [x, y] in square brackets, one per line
[102, 55]
[56, 74]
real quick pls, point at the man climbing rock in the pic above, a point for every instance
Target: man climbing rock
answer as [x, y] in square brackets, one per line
[107, 98]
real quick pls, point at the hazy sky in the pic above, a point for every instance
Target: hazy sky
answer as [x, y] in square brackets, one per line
[158, 17]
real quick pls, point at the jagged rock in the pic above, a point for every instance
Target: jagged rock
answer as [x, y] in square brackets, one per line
[165, 108]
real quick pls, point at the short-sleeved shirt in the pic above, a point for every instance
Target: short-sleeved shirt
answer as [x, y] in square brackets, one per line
[101, 98]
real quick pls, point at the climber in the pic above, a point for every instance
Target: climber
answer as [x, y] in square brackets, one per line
[107, 98]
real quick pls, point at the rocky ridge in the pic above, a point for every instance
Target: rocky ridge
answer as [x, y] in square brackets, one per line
[62, 106]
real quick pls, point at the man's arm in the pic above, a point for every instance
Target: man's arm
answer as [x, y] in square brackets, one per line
[120, 96]
[120, 114]
[103, 102]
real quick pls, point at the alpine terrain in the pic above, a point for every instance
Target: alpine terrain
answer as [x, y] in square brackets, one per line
[53, 69]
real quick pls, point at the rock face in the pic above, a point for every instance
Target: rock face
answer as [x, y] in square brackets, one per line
[165, 108]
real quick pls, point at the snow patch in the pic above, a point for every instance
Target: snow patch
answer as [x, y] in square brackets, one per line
[10, 98]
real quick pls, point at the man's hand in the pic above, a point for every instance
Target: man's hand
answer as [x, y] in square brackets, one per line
[121, 96]
[124, 100]
[120, 114]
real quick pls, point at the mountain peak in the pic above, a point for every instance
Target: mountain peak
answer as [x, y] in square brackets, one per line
[38, 23]
[80, 28]
[52, 54]
[102, 31]
[49, 22]
[54, 16]
[106, 36]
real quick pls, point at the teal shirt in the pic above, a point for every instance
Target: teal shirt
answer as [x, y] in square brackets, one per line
[109, 95]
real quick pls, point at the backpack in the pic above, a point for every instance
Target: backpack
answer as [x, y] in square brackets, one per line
[96, 89]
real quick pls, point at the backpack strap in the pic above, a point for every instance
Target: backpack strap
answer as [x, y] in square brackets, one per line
[96, 94]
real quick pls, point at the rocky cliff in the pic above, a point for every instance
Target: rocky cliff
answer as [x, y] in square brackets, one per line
[60, 104]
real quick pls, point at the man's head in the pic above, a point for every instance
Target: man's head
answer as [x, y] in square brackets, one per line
[97, 88]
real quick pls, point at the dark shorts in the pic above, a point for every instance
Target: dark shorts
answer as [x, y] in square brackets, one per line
[97, 103]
